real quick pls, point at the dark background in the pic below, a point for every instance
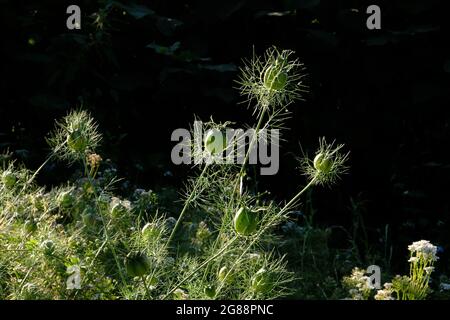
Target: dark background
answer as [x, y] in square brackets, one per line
[146, 72]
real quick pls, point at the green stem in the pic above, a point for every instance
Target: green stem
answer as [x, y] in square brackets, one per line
[190, 275]
[146, 287]
[240, 176]
[257, 236]
[186, 205]
[297, 196]
[105, 225]
[252, 142]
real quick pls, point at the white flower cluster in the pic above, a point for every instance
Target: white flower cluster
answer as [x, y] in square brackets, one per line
[423, 249]
[359, 284]
[386, 293]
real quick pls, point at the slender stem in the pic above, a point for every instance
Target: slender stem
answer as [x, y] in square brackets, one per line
[252, 142]
[256, 237]
[105, 225]
[247, 155]
[297, 196]
[146, 287]
[190, 275]
[186, 205]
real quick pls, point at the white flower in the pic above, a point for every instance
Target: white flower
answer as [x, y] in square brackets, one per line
[429, 270]
[386, 293]
[359, 284]
[388, 285]
[413, 259]
[424, 249]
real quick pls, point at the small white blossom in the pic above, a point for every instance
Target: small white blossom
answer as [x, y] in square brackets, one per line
[413, 259]
[424, 249]
[429, 270]
[358, 283]
[386, 293]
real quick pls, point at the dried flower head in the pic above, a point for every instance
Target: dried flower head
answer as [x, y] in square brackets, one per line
[275, 79]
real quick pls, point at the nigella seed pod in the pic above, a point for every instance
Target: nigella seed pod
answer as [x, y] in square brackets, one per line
[48, 246]
[151, 231]
[30, 226]
[77, 141]
[222, 275]
[137, 264]
[75, 136]
[261, 281]
[275, 78]
[215, 141]
[322, 163]
[210, 291]
[89, 217]
[9, 179]
[66, 199]
[119, 208]
[245, 221]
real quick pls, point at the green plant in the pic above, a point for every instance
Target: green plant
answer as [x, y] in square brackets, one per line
[125, 247]
[412, 287]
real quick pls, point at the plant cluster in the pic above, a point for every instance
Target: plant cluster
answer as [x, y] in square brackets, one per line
[412, 287]
[222, 245]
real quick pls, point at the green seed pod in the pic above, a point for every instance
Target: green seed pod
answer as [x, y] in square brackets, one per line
[215, 141]
[322, 163]
[89, 217]
[223, 273]
[9, 179]
[76, 141]
[261, 281]
[30, 226]
[118, 209]
[180, 294]
[151, 231]
[66, 199]
[245, 221]
[137, 264]
[275, 78]
[48, 246]
[210, 291]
